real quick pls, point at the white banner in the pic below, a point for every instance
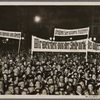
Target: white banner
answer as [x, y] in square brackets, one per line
[93, 46]
[73, 32]
[39, 44]
[10, 34]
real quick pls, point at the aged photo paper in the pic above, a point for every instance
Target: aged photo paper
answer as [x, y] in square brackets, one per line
[50, 50]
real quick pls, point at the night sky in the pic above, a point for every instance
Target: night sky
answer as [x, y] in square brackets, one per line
[21, 18]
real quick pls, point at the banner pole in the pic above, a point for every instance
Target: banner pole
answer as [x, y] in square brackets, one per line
[19, 46]
[32, 44]
[87, 47]
[86, 55]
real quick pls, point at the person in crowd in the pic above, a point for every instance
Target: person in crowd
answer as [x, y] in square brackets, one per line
[23, 92]
[1, 87]
[44, 92]
[82, 83]
[8, 93]
[98, 90]
[11, 89]
[16, 90]
[86, 93]
[78, 90]
[51, 89]
[38, 86]
[90, 88]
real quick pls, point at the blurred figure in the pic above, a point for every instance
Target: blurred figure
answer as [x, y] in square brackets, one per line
[1, 87]
[98, 90]
[44, 92]
[16, 90]
[11, 89]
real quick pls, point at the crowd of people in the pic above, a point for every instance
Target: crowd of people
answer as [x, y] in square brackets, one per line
[49, 73]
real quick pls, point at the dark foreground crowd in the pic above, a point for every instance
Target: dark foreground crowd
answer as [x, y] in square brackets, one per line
[49, 74]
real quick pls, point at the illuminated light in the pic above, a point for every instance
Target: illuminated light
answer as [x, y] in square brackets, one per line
[53, 38]
[50, 38]
[94, 38]
[7, 39]
[37, 19]
[71, 38]
[66, 55]
[22, 38]
[90, 38]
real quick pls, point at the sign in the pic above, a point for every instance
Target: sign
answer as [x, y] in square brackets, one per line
[10, 34]
[39, 44]
[73, 32]
[93, 47]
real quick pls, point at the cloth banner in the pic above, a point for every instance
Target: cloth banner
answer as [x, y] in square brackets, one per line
[39, 44]
[10, 34]
[93, 46]
[73, 32]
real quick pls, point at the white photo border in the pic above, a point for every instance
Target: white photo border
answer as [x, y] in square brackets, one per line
[48, 3]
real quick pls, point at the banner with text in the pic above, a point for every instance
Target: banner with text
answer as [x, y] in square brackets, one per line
[93, 47]
[73, 32]
[39, 44]
[10, 34]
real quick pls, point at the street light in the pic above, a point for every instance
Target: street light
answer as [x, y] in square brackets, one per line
[37, 19]
[90, 38]
[22, 38]
[94, 38]
[50, 38]
[53, 38]
[7, 39]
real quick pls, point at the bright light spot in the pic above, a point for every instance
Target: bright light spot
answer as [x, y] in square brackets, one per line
[37, 19]
[50, 38]
[23, 38]
[7, 39]
[66, 55]
[90, 38]
[71, 38]
[53, 38]
[94, 38]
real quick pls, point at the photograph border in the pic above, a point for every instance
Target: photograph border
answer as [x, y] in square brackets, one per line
[48, 3]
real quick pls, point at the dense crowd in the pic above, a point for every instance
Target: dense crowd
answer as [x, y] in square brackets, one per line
[49, 73]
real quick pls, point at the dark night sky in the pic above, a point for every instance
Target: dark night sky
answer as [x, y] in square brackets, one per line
[21, 18]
